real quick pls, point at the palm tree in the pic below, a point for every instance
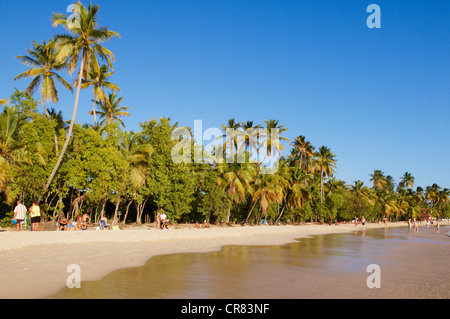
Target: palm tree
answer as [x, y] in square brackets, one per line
[236, 179]
[302, 149]
[407, 181]
[267, 190]
[325, 163]
[137, 151]
[99, 81]
[83, 41]
[274, 131]
[250, 136]
[231, 136]
[3, 101]
[10, 147]
[378, 179]
[111, 111]
[42, 59]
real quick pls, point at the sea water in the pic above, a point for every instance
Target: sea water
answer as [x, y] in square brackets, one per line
[325, 266]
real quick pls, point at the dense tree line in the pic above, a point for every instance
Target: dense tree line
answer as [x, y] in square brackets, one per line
[103, 169]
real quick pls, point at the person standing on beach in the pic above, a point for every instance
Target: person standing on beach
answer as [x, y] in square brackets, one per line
[158, 220]
[363, 222]
[35, 215]
[163, 217]
[437, 226]
[416, 226]
[409, 224]
[20, 215]
[356, 221]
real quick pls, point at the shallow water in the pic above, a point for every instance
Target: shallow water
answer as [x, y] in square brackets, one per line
[327, 266]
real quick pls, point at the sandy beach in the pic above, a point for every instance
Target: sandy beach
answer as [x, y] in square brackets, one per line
[34, 264]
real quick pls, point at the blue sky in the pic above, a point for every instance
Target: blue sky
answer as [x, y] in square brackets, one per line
[379, 98]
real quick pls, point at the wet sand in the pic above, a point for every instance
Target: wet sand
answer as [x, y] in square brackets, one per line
[34, 265]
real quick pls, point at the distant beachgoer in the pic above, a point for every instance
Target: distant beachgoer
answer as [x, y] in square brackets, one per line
[62, 224]
[356, 221]
[79, 223]
[163, 217]
[385, 222]
[363, 221]
[19, 215]
[409, 224]
[205, 225]
[85, 217]
[437, 226]
[416, 226]
[197, 225]
[35, 215]
[158, 220]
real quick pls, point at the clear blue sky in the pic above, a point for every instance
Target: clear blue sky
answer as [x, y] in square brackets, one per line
[379, 98]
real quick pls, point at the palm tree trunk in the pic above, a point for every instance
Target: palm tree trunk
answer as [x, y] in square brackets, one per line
[321, 186]
[45, 109]
[93, 111]
[69, 133]
[126, 213]
[281, 214]
[251, 210]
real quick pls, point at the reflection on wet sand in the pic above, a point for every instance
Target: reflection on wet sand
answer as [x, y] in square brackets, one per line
[328, 266]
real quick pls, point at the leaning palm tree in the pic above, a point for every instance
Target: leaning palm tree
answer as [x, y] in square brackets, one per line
[42, 59]
[111, 111]
[99, 81]
[267, 190]
[84, 40]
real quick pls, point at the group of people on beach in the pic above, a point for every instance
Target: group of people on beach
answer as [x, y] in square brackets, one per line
[415, 223]
[21, 214]
[80, 224]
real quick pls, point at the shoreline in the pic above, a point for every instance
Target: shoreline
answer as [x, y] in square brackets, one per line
[34, 265]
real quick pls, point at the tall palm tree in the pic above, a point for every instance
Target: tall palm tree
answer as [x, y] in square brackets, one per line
[302, 149]
[250, 136]
[272, 141]
[378, 178]
[84, 41]
[42, 59]
[111, 111]
[99, 81]
[407, 181]
[325, 163]
[231, 136]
